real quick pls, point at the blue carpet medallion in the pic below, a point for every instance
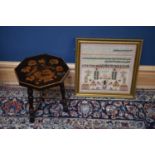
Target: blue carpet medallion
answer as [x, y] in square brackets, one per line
[84, 113]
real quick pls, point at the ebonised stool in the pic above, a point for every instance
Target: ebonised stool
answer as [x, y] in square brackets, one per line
[42, 72]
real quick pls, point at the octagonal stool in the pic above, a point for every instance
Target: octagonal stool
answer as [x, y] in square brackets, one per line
[41, 72]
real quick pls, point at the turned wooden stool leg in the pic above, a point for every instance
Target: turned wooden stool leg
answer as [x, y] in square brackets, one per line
[31, 108]
[43, 95]
[62, 89]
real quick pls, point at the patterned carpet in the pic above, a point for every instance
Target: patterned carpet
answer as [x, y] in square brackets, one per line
[84, 113]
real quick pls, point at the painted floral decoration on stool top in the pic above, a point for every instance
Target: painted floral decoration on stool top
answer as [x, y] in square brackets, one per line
[41, 71]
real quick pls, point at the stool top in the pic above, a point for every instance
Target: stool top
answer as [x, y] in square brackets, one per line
[41, 71]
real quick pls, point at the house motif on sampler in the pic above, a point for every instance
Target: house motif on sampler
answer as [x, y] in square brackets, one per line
[110, 86]
[98, 85]
[116, 85]
[93, 85]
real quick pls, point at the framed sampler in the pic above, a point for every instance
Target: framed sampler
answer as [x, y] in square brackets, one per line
[107, 67]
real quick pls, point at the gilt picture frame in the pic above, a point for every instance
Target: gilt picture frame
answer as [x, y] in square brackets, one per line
[107, 67]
